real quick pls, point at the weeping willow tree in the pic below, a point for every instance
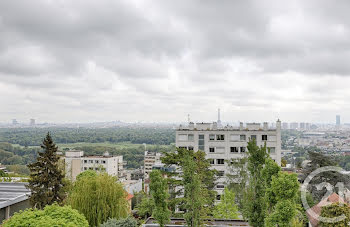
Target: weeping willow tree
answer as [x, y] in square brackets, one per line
[99, 197]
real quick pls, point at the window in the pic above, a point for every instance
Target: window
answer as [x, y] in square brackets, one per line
[96, 168]
[91, 161]
[211, 161]
[272, 150]
[221, 173]
[211, 149]
[234, 149]
[85, 168]
[220, 161]
[218, 197]
[253, 137]
[183, 147]
[242, 138]
[220, 186]
[220, 137]
[201, 142]
[103, 161]
[190, 148]
[90, 168]
[190, 137]
[182, 137]
[264, 137]
[234, 137]
[85, 161]
[211, 137]
[96, 161]
[242, 149]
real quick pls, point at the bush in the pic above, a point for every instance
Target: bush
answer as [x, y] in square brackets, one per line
[51, 215]
[126, 222]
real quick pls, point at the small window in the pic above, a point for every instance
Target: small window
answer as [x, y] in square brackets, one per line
[85, 168]
[211, 161]
[220, 161]
[242, 138]
[182, 137]
[90, 168]
[220, 186]
[234, 137]
[190, 137]
[96, 168]
[272, 150]
[96, 161]
[211, 149]
[190, 148]
[253, 137]
[264, 137]
[91, 161]
[218, 197]
[85, 161]
[234, 149]
[103, 161]
[220, 137]
[242, 149]
[211, 137]
[221, 173]
[201, 137]
[183, 147]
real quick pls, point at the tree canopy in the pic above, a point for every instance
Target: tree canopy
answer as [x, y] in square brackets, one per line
[51, 215]
[227, 208]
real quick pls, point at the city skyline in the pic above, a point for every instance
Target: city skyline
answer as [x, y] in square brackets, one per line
[157, 61]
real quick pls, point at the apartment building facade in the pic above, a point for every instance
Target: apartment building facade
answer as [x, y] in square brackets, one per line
[221, 144]
[151, 159]
[76, 162]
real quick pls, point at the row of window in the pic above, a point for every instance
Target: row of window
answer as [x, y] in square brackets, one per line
[95, 161]
[232, 149]
[219, 161]
[97, 169]
[221, 137]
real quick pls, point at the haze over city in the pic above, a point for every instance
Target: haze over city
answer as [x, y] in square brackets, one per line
[157, 61]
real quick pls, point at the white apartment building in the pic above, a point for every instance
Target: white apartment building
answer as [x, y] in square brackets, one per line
[76, 162]
[151, 159]
[221, 144]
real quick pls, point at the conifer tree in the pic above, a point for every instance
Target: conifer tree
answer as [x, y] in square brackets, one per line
[46, 180]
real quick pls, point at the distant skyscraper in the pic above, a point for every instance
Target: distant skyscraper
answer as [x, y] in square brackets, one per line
[14, 122]
[294, 125]
[219, 120]
[337, 120]
[285, 125]
[302, 125]
[32, 121]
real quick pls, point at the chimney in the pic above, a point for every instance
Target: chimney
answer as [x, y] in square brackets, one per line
[191, 126]
[266, 126]
[241, 126]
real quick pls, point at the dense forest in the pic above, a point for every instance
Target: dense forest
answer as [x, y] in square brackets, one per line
[34, 136]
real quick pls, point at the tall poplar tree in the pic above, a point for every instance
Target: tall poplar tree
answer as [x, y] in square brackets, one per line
[46, 180]
[159, 192]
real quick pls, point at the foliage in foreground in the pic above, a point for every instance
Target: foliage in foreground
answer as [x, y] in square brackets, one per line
[99, 198]
[125, 222]
[159, 193]
[46, 178]
[227, 208]
[51, 215]
[336, 210]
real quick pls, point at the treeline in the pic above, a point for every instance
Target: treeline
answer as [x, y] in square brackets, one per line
[16, 155]
[33, 136]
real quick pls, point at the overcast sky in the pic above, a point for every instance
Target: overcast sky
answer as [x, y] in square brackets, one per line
[140, 60]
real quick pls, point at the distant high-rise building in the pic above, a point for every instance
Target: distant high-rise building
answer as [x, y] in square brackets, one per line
[302, 125]
[337, 120]
[285, 125]
[307, 126]
[14, 122]
[294, 125]
[32, 121]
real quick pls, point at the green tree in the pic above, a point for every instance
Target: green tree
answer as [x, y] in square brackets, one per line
[336, 210]
[51, 215]
[99, 198]
[227, 208]
[46, 178]
[195, 181]
[159, 192]
[282, 197]
[124, 222]
[146, 207]
[87, 173]
[254, 206]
